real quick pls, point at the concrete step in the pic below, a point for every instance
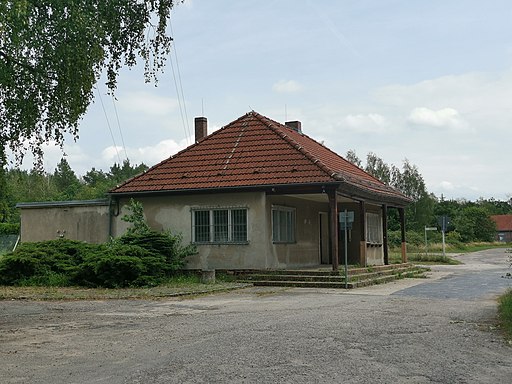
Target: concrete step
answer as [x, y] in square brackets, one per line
[358, 277]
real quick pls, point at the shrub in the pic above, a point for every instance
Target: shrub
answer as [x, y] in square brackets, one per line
[394, 239]
[14, 268]
[161, 243]
[9, 229]
[140, 257]
[50, 279]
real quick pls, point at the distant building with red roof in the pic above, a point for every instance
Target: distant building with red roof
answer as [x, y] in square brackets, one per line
[258, 194]
[503, 227]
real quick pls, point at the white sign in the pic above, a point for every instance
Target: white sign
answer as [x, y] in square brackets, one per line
[349, 218]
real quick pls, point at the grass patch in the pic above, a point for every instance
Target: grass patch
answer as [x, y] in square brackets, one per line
[395, 257]
[505, 313]
[186, 284]
[432, 259]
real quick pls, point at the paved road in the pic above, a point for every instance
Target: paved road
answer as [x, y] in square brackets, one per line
[483, 275]
[403, 332]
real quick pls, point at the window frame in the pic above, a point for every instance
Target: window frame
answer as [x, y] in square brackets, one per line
[290, 230]
[222, 224]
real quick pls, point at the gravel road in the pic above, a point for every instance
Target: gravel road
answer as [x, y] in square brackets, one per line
[439, 330]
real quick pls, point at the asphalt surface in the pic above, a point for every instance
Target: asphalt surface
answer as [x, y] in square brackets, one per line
[438, 330]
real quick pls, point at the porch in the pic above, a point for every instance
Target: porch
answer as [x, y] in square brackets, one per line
[322, 276]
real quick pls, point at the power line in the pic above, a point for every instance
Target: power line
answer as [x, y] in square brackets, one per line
[108, 125]
[119, 127]
[179, 87]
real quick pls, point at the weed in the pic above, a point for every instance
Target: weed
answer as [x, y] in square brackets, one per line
[505, 312]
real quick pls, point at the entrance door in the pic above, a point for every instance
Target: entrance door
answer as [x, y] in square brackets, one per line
[323, 246]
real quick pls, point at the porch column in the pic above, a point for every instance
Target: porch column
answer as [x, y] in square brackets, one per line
[401, 212]
[333, 211]
[362, 243]
[385, 233]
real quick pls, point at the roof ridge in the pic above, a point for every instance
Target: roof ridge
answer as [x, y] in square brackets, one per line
[180, 152]
[317, 162]
[339, 175]
[310, 156]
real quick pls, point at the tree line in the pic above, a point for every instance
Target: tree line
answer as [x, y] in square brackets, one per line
[469, 220]
[60, 185]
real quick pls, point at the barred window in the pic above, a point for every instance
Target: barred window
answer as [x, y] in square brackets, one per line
[373, 228]
[283, 224]
[219, 225]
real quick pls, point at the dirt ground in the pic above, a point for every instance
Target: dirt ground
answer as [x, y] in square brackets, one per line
[439, 330]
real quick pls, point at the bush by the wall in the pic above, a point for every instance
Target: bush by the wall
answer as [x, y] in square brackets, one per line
[121, 265]
[142, 256]
[9, 229]
[132, 260]
[37, 260]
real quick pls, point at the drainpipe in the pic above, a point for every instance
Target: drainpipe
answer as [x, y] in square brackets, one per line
[110, 217]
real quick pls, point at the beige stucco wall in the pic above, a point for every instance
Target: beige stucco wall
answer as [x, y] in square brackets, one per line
[85, 223]
[174, 212]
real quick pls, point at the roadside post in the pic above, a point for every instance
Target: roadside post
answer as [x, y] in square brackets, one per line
[426, 240]
[346, 220]
[443, 222]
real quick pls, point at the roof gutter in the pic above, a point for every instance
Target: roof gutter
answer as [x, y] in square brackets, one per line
[271, 187]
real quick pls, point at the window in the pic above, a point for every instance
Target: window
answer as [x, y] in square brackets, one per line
[373, 228]
[283, 224]
[223, 225]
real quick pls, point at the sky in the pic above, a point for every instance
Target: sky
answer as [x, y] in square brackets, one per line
[427, 81]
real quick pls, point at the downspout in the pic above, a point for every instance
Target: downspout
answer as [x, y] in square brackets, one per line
[113, 211]
[109, 217]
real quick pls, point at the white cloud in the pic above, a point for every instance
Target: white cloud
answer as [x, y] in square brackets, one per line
[371, 122]
[148, 155]
[287, 86]
[446, 185]
[147, 103]
[441, 118]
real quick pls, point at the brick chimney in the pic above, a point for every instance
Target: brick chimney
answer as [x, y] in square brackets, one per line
[201, 125]
[295, 125]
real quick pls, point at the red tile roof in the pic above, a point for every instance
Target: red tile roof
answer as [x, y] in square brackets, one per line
[254, 151]
[503, 222]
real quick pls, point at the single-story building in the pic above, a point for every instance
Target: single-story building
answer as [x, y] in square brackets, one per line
[83, 220]
[258, 194]
[503, 227]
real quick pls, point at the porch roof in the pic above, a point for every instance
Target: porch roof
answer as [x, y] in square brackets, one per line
[255, 151]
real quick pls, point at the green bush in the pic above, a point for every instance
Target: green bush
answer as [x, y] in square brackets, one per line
[14, 268]
[120, 265]
[161, 243]
[50, 279]
[42, 261]
[415, 238]
[394, 239]
[132, 260]
[140, 257]
[9, 229]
